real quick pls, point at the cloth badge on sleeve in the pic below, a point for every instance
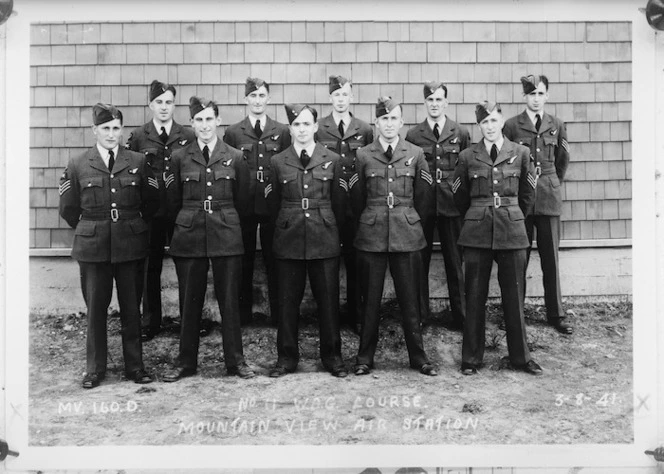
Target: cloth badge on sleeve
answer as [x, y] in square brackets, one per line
[565, 145]
[456, 184]
[268, 190]
[64, 187]
[353, 179]
[168, 179]
[532, 180]
[426, 176]
[343, 184]
[153, 182]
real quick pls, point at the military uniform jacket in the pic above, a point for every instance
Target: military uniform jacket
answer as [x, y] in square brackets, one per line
[108, 209]
[442, 156]
[257, 153]
[203, 200]
[550, 152]
[391, 197]
[358, 134]
[494, 198]
[307, 204]
[145, 139]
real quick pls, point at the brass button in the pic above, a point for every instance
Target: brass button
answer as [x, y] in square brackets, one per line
[306, 186]
[114, 205]
[306, 214]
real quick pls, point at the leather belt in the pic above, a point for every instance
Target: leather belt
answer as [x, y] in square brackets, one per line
[114, 215]
[391, 200]
[496, 201]
[307, 203]
[208, 205]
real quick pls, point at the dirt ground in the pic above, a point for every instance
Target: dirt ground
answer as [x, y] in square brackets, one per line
[584, 396]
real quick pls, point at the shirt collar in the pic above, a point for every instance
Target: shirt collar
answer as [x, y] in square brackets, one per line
[262, 120]
[385, 144]
[104, 153]
[345, 117]
[499, 144]
[310, 149]
[210, 145]
[168, 125]
[532, 114]
[441, 122]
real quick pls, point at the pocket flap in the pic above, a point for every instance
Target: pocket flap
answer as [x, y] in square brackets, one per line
[475, 214]
[515, 213]
[328, 144]
[405, 172]
[246, 146]
[190, 176]
[225, 173]
[129, 181]
[92, 182]
[323, 174]
[184, 218]
[138, 226]
[451, 148]
[368, 218]
[87, 228]
[412, 216]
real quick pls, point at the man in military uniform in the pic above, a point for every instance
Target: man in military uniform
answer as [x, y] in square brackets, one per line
[390, 193]
[307, 199]
[494, 188]
[259, 137]
[344, 134]
[107, 194]
[157, 139]
[546, 136]
[203, 189]
[442, 139]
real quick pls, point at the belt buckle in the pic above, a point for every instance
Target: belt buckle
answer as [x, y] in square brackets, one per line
[305, 203]
[115, 215]
[207, 205]
[260, 176]
[496, 202]
[538, 171]
[439, 174]
[390, 201]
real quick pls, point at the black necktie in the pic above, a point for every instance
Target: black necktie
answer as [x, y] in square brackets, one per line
[304, 158]
[388, 153]
[111, 160]
[494, 152]
[206, 154]
[341, 128]
[257, 129]
[538, 122]
[163, 136]
[436, 132]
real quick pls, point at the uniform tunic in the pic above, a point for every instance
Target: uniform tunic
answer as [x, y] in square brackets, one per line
[550, 150]
[204, 198]
[308, 207]
[356, 135]
[146, 140]
[494, 198]
[257, 153]
[109, 212]
[442, 155]
[390, 197]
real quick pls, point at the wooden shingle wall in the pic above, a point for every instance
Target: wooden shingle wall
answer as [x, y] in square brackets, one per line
[588, 64]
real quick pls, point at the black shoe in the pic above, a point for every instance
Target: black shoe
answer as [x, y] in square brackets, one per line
[243, 371]
[531, 367]
[178, 373]
[468, 369]
[148, 333]
[279, 371]
[362, 369]
[561, 326]
[205, 328]
[92, 380]
[428, 369]
[340, 372]
[140, 376]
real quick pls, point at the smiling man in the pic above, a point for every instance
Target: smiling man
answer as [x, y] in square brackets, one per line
[344, 134]
[546, 136]
[107, 194]
[204, 188]
[259, 138]
[494, 188]
[390, 193]
[307, 199]
[157, 139]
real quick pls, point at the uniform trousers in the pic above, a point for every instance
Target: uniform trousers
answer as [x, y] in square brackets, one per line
[192, 278]
[249, 226]
[406, 268]
[97, 287]
[324, 281]
[161, 231]
[347, 235]
[511, 278]
[449, 229]
[548, 241]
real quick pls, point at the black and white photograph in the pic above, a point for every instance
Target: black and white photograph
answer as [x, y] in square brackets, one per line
[359, 237]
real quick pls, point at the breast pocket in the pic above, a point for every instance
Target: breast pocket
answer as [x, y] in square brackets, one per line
[92, 191]
[289, 185]
[330, 144]
[404, 180]
[271, 149]
[246, 149]
[190, 185]
[525, 141]
[323, 181]
[451, 152]
[550, 144]
[224, 179]
[375, 179]
[511, 176]
[152, 155]
[479, 183]
[130, 191]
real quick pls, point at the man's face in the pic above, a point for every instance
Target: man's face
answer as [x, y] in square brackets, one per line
[108, 134]
[163, 107]
[388, 125]
[303, 128]
[536, 99]
[341, 98]
[436, 104]
[205, 124]
[257, 101]
[492, 126]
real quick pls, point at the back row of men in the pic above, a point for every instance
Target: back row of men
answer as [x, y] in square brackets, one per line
[315, 191]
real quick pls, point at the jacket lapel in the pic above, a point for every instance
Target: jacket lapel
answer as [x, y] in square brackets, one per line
[506, 153]
[95, 160]
[447, 131]
[291, 158]
[177, 133]
[122, 160]
[547, 125]
[525, 123]
[482, 155]
[378, 152]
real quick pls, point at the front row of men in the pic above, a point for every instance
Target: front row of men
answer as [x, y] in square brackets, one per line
[109, 193]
